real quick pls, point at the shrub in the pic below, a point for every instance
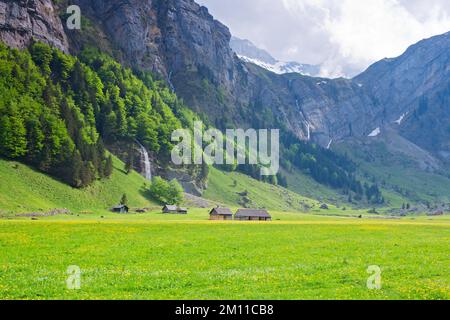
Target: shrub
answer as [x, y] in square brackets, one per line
[166, 192]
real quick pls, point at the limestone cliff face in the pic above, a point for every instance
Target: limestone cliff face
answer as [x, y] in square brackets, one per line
[182, 42]
[178, 39]
[24, 20]
[413, 93]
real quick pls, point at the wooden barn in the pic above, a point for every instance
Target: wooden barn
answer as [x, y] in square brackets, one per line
[171, 209]
[252, 215]
[220, 214]
[120, 209]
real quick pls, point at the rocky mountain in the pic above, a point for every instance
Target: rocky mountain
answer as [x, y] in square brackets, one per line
[413, 93]
[181, 41]
[401, 102]
[246, 48]
[248, 52]
[24, 20]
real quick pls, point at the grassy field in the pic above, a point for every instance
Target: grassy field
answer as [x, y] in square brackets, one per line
[153, 256]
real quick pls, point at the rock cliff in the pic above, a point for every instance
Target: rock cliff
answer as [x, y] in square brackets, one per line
[182, 42]
[21, 21]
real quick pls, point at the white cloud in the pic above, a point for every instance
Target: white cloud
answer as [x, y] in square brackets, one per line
[367, 31]
[346, 36]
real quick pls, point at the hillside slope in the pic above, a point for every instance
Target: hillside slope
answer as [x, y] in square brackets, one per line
[237, 189]
[25, 190]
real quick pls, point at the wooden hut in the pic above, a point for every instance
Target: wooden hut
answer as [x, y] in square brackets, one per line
[252, 215]
[171, 209]
[120, 209]
[220, 214]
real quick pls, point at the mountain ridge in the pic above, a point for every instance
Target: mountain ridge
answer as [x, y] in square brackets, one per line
[191, 50]
[248, 52]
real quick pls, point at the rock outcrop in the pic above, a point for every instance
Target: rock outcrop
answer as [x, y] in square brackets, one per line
[413, 93]
[178, 39]
[182, 42]
[21, 21]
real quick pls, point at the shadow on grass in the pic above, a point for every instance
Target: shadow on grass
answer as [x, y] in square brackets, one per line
[122, 170]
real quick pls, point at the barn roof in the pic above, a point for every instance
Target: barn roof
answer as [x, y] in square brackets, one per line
[260, 213]
[221, 211]
[170, 207]
[121, 206]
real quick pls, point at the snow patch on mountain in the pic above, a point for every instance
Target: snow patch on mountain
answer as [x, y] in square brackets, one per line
[248, 52]
[283, 67]
[375, 133]
[400, 120]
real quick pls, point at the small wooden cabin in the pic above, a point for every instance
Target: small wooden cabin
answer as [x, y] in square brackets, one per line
[171, 209]
[120, 209]
[220, 214]
[252, 215]
[436, 213]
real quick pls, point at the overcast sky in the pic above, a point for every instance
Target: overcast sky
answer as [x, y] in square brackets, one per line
[345, 36]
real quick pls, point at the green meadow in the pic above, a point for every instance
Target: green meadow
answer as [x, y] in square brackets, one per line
[317, 254]
[155, 256]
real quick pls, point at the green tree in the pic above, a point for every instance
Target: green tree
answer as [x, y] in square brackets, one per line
[108, 167]
[42, 55]
[159, 189]
[124, 200]
[129, 163]
[175, 192]
[13, 140]
[77, 165]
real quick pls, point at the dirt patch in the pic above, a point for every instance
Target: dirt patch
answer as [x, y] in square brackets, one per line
[198, 202]
[50, 213]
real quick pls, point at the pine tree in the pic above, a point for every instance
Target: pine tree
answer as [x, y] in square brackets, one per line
[124, 200]
[108, 167]
[129, 163]
[204, 172]
[77, 165]
[13, 141]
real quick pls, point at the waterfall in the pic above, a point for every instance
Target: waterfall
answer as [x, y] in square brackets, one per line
[306, 123]
[145, 160]
[308, 128]
[329, 144]
[169, 80]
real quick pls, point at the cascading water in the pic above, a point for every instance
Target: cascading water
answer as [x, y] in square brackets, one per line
[145, 160]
